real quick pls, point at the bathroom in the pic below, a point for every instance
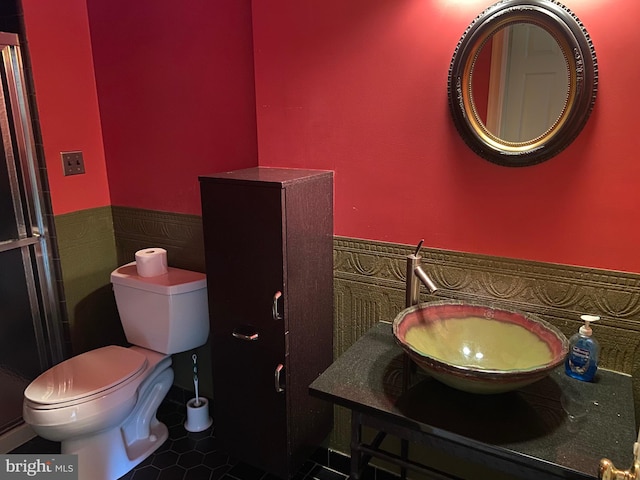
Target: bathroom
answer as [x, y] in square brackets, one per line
[155, 96]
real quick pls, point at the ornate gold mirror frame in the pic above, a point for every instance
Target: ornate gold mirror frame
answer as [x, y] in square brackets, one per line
[575, 46]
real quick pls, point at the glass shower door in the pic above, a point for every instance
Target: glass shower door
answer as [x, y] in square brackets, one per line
[30, 336]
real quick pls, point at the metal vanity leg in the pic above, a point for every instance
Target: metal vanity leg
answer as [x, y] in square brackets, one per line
[356, 441]
[406, 383]
[404, 455]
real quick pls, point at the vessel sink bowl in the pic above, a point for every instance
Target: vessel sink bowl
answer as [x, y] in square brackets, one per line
[478, 348]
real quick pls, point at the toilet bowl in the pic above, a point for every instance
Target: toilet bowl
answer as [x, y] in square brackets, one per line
[92, 414]
[101, 405]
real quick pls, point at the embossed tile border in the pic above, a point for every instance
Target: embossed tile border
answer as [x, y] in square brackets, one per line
[369, 284]
[369, 281]
[179, 234]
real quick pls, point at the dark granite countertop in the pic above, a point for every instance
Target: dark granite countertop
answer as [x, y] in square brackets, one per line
[560, 425]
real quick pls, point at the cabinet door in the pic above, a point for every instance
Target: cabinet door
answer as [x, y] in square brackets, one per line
[243, 231]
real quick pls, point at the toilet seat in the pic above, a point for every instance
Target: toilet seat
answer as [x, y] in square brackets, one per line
[84, 377]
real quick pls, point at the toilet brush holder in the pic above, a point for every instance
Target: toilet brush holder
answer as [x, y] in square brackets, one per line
[198, 418]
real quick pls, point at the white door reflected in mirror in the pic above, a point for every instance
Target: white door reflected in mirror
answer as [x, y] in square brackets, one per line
[520, 83]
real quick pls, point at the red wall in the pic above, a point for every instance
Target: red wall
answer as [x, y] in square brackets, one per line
[175, 90]
[60, 50]
[360, 87]
[177, 96]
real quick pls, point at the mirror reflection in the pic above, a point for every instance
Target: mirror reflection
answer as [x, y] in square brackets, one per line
[520, 82]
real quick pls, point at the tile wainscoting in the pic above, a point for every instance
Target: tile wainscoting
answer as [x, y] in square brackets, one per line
[87, 249]
[370, 278]
[369, 286]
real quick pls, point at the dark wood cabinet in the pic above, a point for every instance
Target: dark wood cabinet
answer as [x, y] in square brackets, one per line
[268, 235]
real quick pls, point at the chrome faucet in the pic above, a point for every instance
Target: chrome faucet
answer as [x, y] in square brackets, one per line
[415, 275]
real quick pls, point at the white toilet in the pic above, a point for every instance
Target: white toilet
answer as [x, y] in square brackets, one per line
[101, 405]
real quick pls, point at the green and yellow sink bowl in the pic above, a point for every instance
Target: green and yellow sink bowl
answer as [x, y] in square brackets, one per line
[478, 348]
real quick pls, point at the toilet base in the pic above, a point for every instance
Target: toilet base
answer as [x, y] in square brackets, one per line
[105, 456]
[109, 454]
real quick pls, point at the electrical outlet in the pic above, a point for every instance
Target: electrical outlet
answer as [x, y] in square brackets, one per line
[72, 163]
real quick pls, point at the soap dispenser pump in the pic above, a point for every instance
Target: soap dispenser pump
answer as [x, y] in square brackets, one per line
[582, 361]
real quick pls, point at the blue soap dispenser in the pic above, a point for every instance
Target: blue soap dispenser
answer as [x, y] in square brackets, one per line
[582, 360]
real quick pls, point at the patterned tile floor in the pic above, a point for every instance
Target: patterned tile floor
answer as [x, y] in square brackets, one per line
[196, 456]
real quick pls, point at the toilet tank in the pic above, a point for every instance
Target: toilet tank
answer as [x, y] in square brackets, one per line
[167, 313]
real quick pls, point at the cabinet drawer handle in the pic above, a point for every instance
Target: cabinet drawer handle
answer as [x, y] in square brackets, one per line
[247, 337]
[274, 308]
[279, 368]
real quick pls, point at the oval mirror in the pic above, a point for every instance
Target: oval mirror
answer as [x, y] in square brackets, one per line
[522, 81]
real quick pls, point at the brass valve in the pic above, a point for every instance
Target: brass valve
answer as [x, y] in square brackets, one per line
[608, 471]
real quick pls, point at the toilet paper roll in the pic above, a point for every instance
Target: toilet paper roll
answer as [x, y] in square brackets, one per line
[151, 262]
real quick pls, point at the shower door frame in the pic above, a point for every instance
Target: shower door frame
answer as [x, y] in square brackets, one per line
[31, 210]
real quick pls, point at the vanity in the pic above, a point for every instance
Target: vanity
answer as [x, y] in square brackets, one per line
[555, 428]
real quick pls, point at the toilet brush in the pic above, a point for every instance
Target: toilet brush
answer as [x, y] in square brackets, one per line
[195, 378]
[198, 418]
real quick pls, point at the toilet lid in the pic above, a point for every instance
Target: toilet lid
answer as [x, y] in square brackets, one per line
[85, 374]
